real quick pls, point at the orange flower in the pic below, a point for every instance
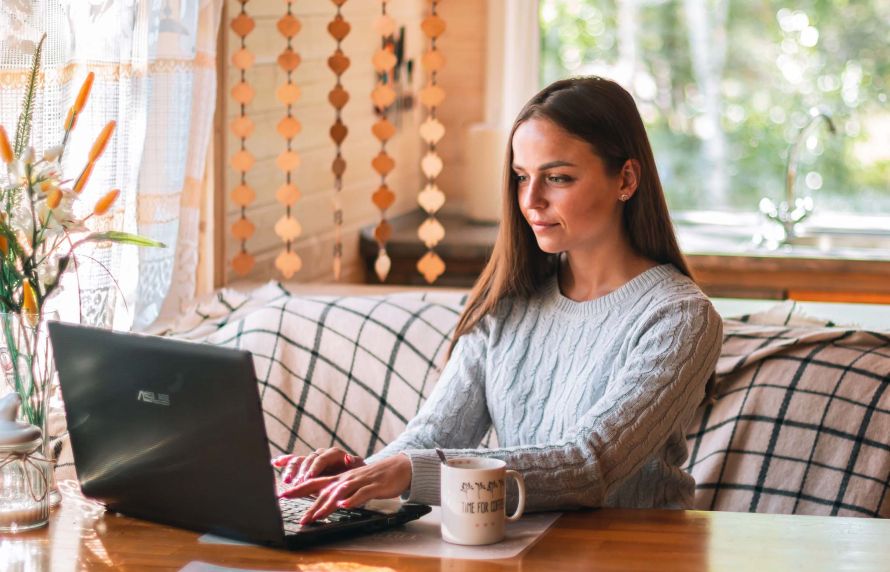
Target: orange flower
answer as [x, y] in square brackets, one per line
[4, 245]
[103, 204]
[5, 149]
[54, 198]
[70, 120]
[102, 140]
[84, 93]
[29, 300]
[83, 178]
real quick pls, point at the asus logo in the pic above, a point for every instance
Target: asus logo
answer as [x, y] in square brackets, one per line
[150, 397]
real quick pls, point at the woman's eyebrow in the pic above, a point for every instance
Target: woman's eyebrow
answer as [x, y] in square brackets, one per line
[546, 166]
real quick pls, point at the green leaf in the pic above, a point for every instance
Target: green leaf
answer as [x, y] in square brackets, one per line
[23, 129]
[122, 237]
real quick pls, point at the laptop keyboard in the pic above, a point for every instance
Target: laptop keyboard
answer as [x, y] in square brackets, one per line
[293, 509]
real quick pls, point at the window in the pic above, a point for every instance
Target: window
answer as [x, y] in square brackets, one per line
[725, 87]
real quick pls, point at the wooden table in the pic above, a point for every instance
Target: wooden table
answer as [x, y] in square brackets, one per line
[81, 536]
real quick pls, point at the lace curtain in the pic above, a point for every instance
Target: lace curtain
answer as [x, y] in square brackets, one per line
[155, 74]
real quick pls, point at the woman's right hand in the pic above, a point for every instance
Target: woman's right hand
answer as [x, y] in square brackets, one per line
[383, 479]
[332, 461]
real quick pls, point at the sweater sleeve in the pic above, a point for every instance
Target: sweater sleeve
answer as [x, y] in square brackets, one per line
[651, 396]
[456, 413]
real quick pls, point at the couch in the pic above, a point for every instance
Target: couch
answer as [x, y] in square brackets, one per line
[800, 423]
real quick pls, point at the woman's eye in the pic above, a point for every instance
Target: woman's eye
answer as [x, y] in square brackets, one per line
[520, 178]
[559, 179]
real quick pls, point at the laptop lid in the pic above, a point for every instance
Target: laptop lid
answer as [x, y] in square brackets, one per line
[168, 430]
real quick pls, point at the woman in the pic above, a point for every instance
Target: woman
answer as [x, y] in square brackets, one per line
[585, 342]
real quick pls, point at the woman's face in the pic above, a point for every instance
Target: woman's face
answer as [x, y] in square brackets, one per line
[564, 192]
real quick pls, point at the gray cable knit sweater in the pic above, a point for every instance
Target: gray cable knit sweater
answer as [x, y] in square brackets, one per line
[590, 400]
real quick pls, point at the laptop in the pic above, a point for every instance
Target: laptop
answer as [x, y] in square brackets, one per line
[172, 431]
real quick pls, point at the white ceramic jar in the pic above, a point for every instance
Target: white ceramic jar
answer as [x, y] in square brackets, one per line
[24, 473]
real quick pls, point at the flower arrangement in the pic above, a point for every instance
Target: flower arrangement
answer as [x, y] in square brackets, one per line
[40, 234]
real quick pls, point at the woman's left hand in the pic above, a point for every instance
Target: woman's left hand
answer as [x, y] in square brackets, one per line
[384, 479]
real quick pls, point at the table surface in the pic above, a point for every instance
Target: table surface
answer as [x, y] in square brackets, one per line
[81, 536]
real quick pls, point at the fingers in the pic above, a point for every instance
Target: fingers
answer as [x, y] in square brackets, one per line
[329, 499]
[309, 487]
[325, 459]
[297, 475]
[353, 461]
[383, 479]
[282, 460]
[359, 497]
[290, 471]
[297, 465]
[299, 468]
[290, 464]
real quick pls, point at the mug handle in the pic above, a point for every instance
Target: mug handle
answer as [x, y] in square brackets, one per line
[520, 482]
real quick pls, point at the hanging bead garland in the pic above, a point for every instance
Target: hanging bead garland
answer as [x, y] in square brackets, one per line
[383, 96]
[339, 63]
[288, 228]
[242, 127]
[431, 198]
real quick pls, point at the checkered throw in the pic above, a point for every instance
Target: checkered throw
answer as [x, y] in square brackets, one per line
[801, 424]
[346, 371]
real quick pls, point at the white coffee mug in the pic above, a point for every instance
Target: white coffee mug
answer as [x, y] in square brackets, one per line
[472, 497]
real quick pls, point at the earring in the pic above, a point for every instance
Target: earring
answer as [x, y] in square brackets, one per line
[624, 197]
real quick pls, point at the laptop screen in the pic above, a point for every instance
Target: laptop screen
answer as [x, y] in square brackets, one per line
[168, 430]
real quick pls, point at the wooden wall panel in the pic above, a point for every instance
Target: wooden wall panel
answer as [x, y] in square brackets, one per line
[314, 177]
[463, 78]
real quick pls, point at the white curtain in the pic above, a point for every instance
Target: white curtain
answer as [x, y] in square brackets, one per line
[514, 47]
[511, 79]
[155, 74]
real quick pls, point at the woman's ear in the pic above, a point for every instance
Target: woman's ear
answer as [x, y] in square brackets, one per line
[630, 179]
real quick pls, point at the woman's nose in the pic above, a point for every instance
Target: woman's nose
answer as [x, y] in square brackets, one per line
[532, 196]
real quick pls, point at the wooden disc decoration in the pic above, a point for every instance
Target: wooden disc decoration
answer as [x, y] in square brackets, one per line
[383, 96]
[242, 127]
[338, 97]
[431, 198]
[287, 228]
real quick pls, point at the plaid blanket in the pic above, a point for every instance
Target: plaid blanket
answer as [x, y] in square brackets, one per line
[801, 424]
[347, 371]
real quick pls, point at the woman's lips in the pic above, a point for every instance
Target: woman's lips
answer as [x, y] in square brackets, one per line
[541, 226]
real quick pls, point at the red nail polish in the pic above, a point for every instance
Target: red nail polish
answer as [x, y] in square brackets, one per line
[347, 459]
[343, 504]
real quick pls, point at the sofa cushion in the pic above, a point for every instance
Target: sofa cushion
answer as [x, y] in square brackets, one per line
[801, 423]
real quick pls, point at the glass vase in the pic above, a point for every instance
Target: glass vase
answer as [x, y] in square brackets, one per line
[25, 476]
[26, 359]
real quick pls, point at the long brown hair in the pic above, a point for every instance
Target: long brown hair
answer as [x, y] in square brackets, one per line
[604, 114]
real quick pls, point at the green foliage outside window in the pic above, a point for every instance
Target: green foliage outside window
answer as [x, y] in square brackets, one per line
[724, 87]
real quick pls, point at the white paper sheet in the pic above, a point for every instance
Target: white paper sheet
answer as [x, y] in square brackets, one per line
[423, 538]
[198, 566]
